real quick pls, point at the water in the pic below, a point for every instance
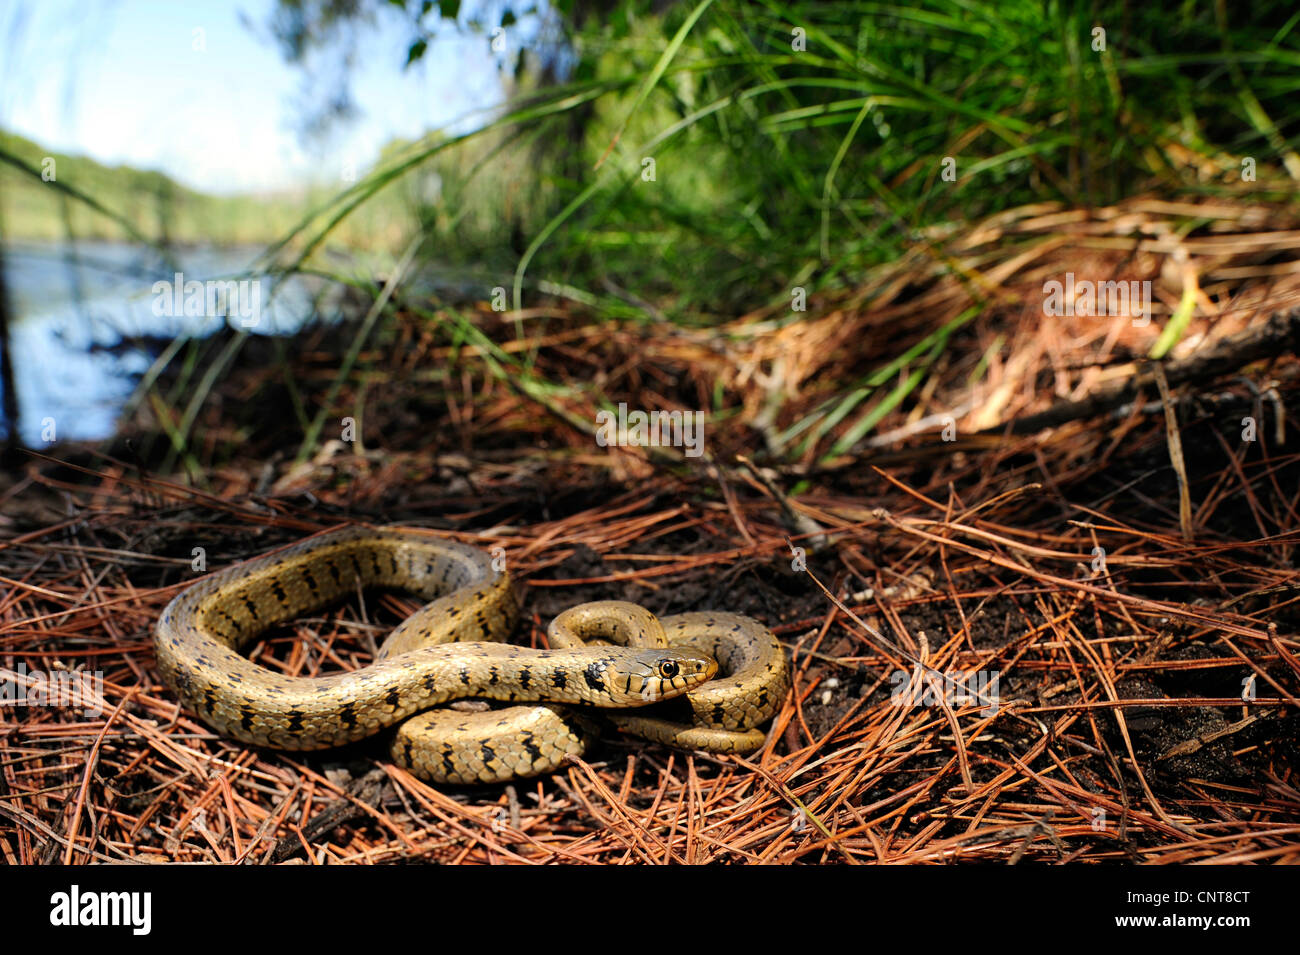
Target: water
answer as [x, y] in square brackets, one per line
[79, 306]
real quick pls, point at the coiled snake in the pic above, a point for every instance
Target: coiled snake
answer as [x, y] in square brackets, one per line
[450, 649]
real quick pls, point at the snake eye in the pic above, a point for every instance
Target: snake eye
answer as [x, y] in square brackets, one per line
[668, 669]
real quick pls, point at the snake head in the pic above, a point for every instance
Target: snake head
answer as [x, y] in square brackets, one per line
[644, 676]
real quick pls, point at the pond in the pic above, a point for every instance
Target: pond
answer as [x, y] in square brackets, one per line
[90, 318]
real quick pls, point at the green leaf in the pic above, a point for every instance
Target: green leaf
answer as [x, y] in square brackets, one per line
[416, 51]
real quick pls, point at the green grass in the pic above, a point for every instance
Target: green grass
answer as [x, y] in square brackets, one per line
[776, 166]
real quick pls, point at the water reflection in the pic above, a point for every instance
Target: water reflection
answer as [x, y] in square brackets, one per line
[87, 324]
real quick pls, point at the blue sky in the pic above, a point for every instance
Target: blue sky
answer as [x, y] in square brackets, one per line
[123, 82]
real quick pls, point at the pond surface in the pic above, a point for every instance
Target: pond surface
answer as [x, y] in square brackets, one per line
[90, 318]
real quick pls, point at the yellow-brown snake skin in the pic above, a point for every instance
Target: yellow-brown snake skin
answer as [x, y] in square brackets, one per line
[450, 649]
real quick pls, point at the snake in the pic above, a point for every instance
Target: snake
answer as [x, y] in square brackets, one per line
[651, 678]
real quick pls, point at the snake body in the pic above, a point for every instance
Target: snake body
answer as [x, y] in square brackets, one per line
[450, 649]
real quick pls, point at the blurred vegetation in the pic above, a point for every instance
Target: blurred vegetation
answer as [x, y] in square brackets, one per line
[698, 160]
[793, 143]
[805, 143]
[88, 200]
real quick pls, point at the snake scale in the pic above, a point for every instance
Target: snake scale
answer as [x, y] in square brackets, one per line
[451, 649]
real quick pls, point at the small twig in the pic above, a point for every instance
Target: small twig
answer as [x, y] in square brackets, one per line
[1175, 452]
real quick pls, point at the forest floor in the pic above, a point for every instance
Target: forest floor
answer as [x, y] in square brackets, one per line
[1103, 549]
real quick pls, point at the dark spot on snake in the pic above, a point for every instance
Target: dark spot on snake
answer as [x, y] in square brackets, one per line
[488, 753]
[525, 677]
[252, 607]
[334, 571]
[560, 679]
[348, 715]
[310, 580]
[534, 752]
[464, 675]
[278, 589]
[406, 752]
[246, 717]
[210, 699]
[295, 720]
[393, 697]
[494, 676]
[593, 675]
[719, 712]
